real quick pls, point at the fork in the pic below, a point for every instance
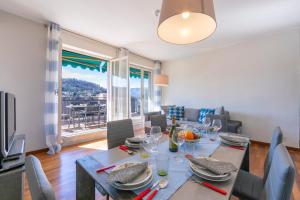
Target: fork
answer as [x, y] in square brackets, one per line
[212, 187]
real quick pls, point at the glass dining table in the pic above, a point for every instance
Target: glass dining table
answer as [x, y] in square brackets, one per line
[87, 177]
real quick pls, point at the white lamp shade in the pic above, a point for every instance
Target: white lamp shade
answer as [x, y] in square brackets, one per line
[161, 80]
[186, 21]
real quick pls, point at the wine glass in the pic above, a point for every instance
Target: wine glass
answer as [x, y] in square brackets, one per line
[179, 139]
[156, 132]
[216, 126]
[149, 148]
[206, 123]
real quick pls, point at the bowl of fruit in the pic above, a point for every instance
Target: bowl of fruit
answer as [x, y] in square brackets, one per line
[190, 136]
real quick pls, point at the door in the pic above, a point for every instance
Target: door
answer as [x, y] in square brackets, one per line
[118, 102]
[140, 81]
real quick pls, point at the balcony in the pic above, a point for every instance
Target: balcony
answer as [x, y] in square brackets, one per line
[81, 115]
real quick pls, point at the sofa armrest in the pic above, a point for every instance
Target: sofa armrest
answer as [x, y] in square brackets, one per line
[234, 126]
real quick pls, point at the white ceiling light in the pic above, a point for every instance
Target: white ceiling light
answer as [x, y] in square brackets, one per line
[186, 21]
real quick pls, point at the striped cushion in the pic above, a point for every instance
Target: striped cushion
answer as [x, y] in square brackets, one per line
[203, 112]
[177, 111]
[171, 112]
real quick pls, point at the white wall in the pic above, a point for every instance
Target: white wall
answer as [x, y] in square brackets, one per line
[257, 81]
[22, 71]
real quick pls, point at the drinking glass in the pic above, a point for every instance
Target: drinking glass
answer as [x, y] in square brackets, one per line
[156, 134]
[162, 164]
[216, 126]
[179, 139]
[148, 148]
[207, 123]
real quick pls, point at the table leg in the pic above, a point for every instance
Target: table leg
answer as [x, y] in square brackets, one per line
[85, 185]
[245, 163]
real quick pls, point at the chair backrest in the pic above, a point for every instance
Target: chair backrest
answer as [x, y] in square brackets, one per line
[281, 177]
[118, 132]
[39, 186]
[276, 140]
[159, 120]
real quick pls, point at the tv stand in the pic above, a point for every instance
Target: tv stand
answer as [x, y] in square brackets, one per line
[12, 171]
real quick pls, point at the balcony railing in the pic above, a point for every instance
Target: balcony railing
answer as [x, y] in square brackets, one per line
[81, 114]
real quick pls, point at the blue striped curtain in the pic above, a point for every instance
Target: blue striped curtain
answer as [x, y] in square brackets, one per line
[157, 89]
[51, 90]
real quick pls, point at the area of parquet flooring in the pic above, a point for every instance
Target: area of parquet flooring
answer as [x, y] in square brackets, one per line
[60, 168]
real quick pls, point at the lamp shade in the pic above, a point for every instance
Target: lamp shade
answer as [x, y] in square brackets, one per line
[186, 21]
[161, 80]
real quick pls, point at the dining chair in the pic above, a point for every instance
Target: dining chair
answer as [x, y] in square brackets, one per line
[280, 180]
[39, 186]
[247, 184]
[118, 132]
[159, 120]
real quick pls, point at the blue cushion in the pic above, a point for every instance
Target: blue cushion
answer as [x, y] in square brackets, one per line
[177, 111]
[171, 112]
[203, 112]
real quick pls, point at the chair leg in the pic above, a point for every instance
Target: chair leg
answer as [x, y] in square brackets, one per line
[107, 197]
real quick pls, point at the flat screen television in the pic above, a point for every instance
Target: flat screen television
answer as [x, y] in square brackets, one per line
[7, 122]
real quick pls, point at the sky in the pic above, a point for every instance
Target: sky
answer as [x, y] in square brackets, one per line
[96, 77]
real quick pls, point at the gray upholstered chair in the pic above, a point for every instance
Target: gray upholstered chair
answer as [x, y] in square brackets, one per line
[247, 185]
[280, 180]
[159, 120]
[118, 132]
[39, 186]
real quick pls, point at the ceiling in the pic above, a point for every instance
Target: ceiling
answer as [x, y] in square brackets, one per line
[132, 23]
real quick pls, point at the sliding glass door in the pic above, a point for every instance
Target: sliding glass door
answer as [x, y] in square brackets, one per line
[140, 81]
[118, 89]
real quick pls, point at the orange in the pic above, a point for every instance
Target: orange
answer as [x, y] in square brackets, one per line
[189, 135]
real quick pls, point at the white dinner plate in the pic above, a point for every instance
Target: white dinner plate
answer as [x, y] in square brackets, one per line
[211, 179]
[207, 173]
[233, 143]
[124, 187]
[133, 145]
[140, 180]
[246, 140]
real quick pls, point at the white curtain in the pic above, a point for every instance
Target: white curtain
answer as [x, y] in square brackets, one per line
[157, 89]
[119, 87]
[51, 90]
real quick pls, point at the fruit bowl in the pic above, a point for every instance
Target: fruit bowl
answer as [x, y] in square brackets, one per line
[189, 136]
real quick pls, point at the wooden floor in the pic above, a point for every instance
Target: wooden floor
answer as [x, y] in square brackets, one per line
[60, 168]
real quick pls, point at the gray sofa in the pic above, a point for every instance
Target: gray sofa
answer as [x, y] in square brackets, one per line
[192, 115]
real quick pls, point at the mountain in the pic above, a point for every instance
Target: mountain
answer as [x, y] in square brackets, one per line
[75, 85]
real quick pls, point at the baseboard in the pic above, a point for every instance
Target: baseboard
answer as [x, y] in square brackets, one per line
[268, 144]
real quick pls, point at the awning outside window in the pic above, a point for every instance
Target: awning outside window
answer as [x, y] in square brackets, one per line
[84, 62]
[136, 73]
[72, 59]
